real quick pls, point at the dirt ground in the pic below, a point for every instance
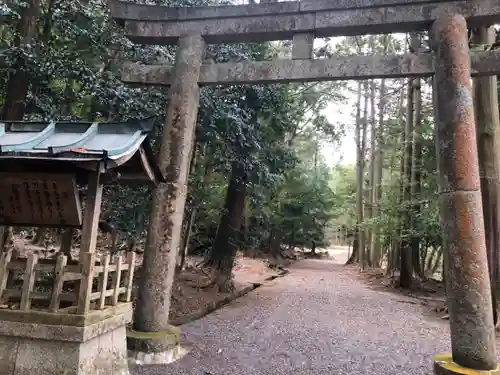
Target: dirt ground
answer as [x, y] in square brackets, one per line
[317, 320]
[429, 295]
[188, 297]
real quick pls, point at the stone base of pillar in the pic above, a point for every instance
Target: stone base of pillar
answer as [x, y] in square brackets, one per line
[444, 365]
[43, 343]
[154, 348]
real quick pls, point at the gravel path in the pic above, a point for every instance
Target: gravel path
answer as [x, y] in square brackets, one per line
[316, 320]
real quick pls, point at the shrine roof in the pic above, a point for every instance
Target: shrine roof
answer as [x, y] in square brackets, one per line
[120, 147]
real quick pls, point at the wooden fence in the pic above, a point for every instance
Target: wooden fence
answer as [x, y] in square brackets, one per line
[54, 285]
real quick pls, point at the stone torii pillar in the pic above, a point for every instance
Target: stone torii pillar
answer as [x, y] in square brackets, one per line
[467, 281]
[153, 340]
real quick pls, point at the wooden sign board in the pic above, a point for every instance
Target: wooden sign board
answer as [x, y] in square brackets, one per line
[41, 199]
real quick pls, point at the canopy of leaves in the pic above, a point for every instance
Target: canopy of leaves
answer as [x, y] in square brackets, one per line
[73, 68]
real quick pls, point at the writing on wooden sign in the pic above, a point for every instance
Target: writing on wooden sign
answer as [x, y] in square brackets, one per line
[41, 199]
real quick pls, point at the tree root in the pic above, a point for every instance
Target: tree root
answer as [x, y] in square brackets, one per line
[215, 279]
[202, 263]
[225, 284]
[207, 284]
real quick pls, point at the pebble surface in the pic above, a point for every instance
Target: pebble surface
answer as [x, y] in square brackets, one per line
[319, 319]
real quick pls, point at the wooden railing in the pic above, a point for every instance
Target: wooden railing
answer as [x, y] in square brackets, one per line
[30, 283]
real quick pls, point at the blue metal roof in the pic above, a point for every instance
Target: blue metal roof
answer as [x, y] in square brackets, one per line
[52, 138]
[115, 143]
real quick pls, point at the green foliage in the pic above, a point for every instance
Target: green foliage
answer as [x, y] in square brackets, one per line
[73, 66]
[343, 185]
[389, 221]
[305, 208]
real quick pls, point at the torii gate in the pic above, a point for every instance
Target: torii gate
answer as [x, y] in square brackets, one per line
[468, 286]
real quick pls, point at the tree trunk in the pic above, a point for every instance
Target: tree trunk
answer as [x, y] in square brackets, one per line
[354, 255]
[406, 272]
[224, 249]
[430, 261]
[14, 104]
[371, 177]
[362, 239]
[416, 175]
[40, 235]
[437, 261]
[5, 238]
[275, 243]
[246, 220]
[488, 142]
[375, 246]
[18, 81]
[359, 182]
[189, 220]
[67, 242]
[395, 252]
[186, 239]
